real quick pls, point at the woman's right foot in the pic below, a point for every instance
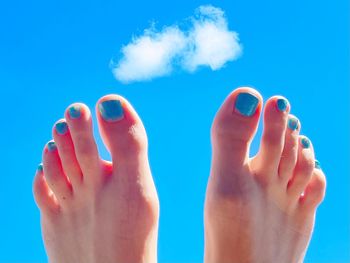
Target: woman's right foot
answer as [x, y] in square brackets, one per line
[260, 209]
[93, 210]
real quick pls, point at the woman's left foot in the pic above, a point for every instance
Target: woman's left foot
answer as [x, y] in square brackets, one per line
[260, 209]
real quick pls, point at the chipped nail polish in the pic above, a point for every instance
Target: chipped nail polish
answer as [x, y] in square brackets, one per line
[282, 104]
[246, 104]
[40, 168]
[111, 110]
[317, 164]
[74, 111]
[305, 142]
[51, 146]
[61, 127]
[293, 124]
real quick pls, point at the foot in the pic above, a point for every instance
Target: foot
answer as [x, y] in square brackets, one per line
[93, 210]
[260, 209]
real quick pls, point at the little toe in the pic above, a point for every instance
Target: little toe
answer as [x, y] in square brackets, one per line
[66, 151]
[54, 175]
[121, 129]
[235, 125]
[303, 170]
[43, 195]
[273, 137]
[79, 120]
[290, 151]
[315, 190]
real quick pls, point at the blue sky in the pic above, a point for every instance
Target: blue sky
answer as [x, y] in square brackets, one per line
[53, 53]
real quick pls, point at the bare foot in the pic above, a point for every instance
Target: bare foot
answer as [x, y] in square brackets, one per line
[260, 209]
[93, 210]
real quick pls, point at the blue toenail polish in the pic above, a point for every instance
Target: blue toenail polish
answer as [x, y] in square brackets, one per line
[40, 168]
[282, 104]
[74, 111]
[293, 124]
[111, 110]
[61, 127]
[246, 104]
[51, 146]
[317, 164]
[305, 142]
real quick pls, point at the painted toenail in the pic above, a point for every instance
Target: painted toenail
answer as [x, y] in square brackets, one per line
[317, 164]
[61, 127]
[305, 142]
[246, 104]
[111, 110]
[282, 104]
[40, 168]
[75, 111]
[293, 124]
[51, 146]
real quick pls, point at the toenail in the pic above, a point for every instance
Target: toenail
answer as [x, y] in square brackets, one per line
[61, 127]
[305, 142]
[317, 164]
[293, 124]
[282, 104]
[75, 111]
[51, 146]
[111, 110]
[246, 104]
[40, 168]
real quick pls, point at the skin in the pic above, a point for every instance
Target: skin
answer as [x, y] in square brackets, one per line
[93, 210]
[98, 211]
[254, 209]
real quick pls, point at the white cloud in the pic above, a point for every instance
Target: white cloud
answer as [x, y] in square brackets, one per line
[212, 44]
[208, 42]
[150, 55]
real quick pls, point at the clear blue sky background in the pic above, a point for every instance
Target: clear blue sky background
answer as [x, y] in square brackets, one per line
[53, 53]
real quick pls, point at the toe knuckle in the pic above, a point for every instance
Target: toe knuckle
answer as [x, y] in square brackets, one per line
[320, 181]
[307, 165]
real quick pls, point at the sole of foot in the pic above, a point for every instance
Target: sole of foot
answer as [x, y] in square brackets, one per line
[260, 209]
[93, 210]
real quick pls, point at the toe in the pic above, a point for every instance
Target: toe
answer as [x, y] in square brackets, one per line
[54, 175]
[43, 195]
[303, 169]
[290, 151]
[235, 125]
[66, 152]
[121, 129]
[315, 191]
[125, 137]
[79, 120]
[273, 137]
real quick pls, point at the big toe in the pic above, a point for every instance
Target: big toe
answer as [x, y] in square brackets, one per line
[121, 128]
[235, 125]
[125, 137]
